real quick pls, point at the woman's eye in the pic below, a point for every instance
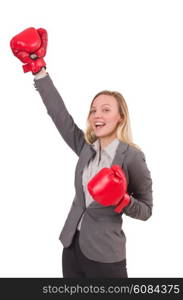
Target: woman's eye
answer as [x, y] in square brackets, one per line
[93, 111]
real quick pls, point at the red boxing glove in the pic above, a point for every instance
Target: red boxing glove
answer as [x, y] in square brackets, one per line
[109, 187]
[30, 47]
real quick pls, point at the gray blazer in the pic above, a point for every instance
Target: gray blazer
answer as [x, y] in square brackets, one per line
[101, 236]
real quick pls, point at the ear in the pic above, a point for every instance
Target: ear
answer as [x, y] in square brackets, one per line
[120, 119]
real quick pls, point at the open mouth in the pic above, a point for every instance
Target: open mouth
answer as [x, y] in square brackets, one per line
[99, 125]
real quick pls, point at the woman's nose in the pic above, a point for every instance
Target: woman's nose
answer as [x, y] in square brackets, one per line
[98, 114]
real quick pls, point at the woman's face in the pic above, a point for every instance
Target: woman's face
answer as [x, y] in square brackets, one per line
[104, 116]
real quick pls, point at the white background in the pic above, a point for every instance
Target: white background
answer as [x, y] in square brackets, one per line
[134, 47]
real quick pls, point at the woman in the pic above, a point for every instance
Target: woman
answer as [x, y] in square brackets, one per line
[93, 239]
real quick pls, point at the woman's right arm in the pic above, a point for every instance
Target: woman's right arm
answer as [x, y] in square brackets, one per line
[29, 46]
[57, 110]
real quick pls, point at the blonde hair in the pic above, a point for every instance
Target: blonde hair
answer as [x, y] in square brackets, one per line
[123, 131]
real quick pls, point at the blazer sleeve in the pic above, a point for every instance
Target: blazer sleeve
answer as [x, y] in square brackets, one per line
[140, 188]
[58, 112]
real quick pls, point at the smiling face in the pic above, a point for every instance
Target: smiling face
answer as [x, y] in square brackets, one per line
[104, 117]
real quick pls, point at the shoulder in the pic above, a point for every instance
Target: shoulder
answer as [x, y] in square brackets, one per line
[134, 155]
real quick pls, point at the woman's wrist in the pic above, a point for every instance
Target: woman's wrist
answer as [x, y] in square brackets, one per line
[41, 74]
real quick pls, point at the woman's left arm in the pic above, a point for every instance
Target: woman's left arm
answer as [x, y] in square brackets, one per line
[139, 188]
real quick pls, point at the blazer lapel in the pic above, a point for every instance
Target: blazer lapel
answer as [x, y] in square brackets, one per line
[120, 154]
[120, 157]
[87, 153]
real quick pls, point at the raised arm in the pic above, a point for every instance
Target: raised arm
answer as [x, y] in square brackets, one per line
[29, 46]
[57, 110]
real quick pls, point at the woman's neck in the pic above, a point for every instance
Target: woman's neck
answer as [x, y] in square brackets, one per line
[105, 141]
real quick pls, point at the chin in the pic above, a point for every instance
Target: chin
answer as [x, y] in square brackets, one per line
[102, 135]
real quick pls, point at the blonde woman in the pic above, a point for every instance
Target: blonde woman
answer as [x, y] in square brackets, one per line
[111, 176]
